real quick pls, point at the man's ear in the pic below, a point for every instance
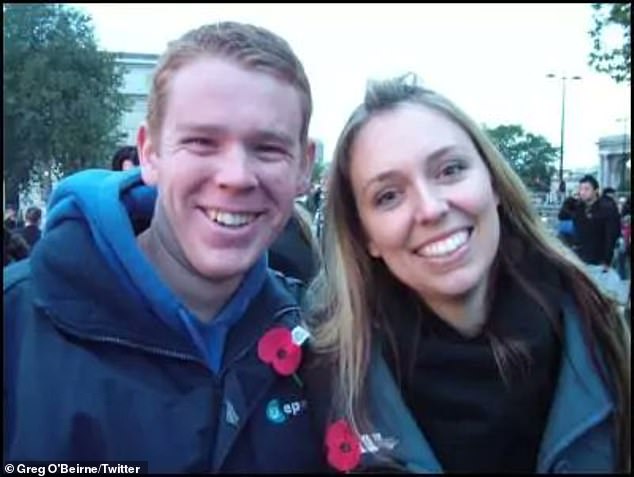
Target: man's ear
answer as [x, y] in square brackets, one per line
[306, 168]
[148, 157]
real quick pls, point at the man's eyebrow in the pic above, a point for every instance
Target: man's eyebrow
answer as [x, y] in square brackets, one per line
[258, 135]
[273, 136]
[200, 128]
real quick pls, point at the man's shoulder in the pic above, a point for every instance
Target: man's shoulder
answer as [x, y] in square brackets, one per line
[17, 275]
[18, 291]
[607, 204]
[295, 288]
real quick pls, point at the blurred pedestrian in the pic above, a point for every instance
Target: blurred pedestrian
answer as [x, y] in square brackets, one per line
[295, 252]
[597, 233]
[125, 158]
[11, 217]
[566, 226]
[14, 247]
[31, 232]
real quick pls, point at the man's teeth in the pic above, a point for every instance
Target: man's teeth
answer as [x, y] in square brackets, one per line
[230, 219]
[446, 246]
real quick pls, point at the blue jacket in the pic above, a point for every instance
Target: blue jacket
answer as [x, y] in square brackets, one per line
[579, 435]
[101, 364]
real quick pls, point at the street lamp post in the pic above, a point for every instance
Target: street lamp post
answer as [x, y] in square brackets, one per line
[562, 183]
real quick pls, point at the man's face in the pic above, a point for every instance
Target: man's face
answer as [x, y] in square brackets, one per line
[127, 164]
[587, 193]
[228, 163]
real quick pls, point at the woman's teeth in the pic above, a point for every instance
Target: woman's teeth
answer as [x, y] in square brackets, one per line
[445, 246]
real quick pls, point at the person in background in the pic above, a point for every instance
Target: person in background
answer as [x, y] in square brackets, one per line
[597, 232]
[125, 158]
[14, 247]
[31, 232]
[461, 335]
[611, 203]
[11, 219]
[295, 252]
[626, 237]
[625, 206]
[566, 231]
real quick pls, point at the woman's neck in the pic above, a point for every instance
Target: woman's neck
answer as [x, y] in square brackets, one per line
[467, 313]
[201, 295]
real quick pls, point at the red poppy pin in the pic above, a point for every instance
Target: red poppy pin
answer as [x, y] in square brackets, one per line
[343, 445]
[281, 348]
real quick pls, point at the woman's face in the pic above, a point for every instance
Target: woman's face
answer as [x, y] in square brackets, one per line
[425, 201]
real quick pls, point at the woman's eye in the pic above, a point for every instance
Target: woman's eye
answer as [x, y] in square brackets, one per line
[452, 170]
[386, 198]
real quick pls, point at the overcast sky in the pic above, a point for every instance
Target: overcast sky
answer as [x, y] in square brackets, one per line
[491, 60]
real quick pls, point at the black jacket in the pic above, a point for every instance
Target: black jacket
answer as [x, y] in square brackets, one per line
[596, 232]
[98, 369]
[14, 247]
[292, 254]
[30, 233]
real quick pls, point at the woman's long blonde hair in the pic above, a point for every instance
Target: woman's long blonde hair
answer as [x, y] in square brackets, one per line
[348, 296]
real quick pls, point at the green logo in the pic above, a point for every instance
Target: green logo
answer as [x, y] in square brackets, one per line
[274, 412]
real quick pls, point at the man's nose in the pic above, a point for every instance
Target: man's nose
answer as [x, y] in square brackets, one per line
[235, 170]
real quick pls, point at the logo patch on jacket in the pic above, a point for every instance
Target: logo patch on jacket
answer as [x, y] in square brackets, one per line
[231, 416]
[372, 443]
[279, 412]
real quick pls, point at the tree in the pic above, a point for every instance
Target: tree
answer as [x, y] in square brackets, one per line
[62, 100]
[615, 60]
[530, 155]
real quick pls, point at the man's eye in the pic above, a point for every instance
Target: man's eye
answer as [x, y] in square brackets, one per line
[198, 141]
[270, 149]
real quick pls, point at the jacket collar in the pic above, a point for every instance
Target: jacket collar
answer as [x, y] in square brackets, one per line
[393, 419]
[581, 400]
[106, 310]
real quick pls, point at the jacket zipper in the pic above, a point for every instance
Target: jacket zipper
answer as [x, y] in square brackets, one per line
[129, 344]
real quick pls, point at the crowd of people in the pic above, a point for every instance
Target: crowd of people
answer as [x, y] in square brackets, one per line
[179, 310]
[20, 236]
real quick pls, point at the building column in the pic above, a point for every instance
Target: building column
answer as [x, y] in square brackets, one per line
[603, 169]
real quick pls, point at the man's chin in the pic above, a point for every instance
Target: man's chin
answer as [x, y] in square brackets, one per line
[226, 268]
